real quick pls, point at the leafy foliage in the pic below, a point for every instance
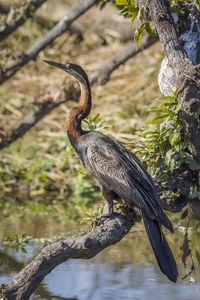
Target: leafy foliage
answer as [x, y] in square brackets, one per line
[94, 124]
[131, 10]
[18, 241]
[163, 145]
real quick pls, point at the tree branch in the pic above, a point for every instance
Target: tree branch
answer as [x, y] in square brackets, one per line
[57, 30]
[107, 233]
[100, 76]
[18, 16]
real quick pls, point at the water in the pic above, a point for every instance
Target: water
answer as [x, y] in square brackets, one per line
[123, 271]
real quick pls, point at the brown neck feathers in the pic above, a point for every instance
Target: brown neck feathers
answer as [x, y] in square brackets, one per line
[77, 114]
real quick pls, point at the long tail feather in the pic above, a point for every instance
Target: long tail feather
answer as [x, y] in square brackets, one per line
[161, 248]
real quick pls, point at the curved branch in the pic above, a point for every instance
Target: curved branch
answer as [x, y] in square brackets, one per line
[19, 16]
[110, 231]
[51, 35]
[100, 76]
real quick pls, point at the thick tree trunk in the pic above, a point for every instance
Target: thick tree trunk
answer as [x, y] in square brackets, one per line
[187, 77]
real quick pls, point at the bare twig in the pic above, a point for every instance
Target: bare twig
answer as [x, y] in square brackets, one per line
[51, 35]
[108, 232]
[18, 16]
[100, 76]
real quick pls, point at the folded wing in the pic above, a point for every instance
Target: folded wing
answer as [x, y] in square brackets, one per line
[117, 169]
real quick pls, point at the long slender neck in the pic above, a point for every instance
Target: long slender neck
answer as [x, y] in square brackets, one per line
[77, 114]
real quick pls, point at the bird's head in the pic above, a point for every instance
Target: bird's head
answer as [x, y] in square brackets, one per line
[73, 69]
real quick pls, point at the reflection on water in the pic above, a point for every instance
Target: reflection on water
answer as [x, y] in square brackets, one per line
[124, 271]
[89, 280]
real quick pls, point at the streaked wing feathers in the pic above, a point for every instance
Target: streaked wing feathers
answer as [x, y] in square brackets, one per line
[114, 169]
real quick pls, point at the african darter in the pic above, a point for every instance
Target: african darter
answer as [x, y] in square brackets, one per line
[118, 173]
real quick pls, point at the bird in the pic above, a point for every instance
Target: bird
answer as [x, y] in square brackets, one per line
[118, 173]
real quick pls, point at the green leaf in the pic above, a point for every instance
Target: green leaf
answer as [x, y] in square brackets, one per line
[198, 4]
[138, 35]
[85, 121]
[174, 138]
[149, 133]
[169, 156]
[160, 110]
[192, 163]
[89, 214]
[158, 119]
[85, 220]
[170, 98]
[178, 107]
[23, 249]
[150, 30]
[96, 117]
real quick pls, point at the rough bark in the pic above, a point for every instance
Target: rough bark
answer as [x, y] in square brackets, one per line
[19, 17]
[108, 232]
[99, 76]
[12, 67]
[187, 75]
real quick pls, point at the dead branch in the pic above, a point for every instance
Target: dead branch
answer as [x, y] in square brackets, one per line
[109, 232]
[18, 16]
[56, 31]
[100, 76]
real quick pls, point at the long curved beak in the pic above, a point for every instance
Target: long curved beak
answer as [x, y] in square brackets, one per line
[55, 64]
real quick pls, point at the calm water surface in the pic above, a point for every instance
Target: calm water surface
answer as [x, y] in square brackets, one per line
[124, 271]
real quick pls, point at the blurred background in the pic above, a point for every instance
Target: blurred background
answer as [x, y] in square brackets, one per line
[40, 172]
